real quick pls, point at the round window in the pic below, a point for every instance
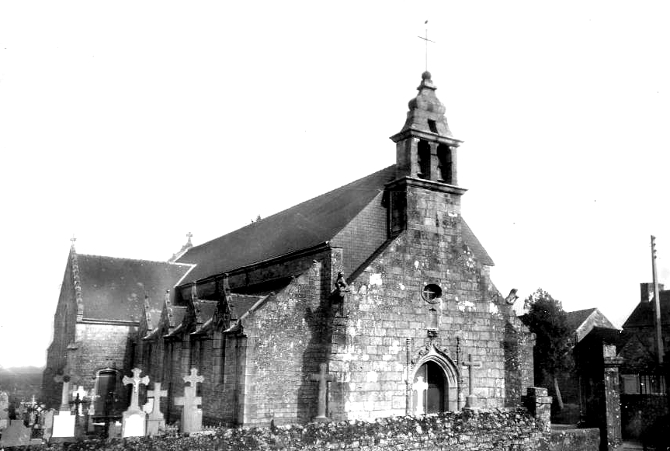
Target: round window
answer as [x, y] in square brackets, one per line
[431, 293]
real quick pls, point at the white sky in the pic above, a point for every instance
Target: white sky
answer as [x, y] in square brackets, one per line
[129, 124]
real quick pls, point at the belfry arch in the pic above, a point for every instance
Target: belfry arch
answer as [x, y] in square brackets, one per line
[441, 377]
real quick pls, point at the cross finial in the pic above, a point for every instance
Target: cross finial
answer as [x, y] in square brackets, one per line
[189, 235]
[427, 41]
[73, 239]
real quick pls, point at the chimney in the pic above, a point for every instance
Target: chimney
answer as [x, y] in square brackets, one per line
[647, 291]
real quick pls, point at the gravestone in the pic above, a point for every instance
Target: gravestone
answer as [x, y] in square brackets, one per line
[15, 435]
[156, 420]
[47, 424]
[4, 410]
[191, 415]
[115, 429]
[420, 387]
[64, 421]
[134, 419]
[471, 399]
[323, 378]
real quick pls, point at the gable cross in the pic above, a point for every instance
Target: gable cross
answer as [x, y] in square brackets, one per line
[471, 400]
[136, 380]
[156, 394]
[323, 378]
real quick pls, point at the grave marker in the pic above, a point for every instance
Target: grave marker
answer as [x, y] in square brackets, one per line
[64, 422]
[191, 415]
[323, 378]
[156, 421]
[48, 424]
[134, 419]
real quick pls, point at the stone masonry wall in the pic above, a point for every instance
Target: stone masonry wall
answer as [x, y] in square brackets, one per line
[100, 346]
[385, 309]
[288, 339]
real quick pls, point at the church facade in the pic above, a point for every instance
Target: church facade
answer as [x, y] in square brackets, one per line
[369, 301]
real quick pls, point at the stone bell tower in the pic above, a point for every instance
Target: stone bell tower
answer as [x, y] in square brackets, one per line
[425, 148]
[425, 165]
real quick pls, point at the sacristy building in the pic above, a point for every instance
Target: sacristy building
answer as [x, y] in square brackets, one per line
[381, 280]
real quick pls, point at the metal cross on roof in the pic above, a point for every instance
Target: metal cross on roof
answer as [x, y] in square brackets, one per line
[427, 41]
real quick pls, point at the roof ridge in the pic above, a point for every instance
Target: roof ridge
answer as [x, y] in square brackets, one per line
[136, 259]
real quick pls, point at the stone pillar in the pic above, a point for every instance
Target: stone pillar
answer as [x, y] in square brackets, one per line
[539, 405]
[612, 401]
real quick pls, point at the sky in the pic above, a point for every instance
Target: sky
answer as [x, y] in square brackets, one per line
[129, 124]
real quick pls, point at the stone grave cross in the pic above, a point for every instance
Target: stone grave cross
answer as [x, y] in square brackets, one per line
[191, 415]
[323, 378]
[136, 380]
[156, 394]
[64, 422]
[65, 393]
[471, 399]
[134, 419]
[156, 421]
[420, 387]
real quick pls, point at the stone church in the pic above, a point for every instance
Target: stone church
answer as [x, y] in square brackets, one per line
[378, 291]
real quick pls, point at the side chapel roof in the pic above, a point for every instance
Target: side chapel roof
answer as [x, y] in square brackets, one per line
[303, 226]
[115, 288]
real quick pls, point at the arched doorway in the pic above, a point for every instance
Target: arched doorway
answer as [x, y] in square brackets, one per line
[436, 392]
[434, 383]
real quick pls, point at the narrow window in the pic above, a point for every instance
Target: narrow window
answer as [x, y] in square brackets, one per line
[423, 155]
[432, 125]
[444, 163]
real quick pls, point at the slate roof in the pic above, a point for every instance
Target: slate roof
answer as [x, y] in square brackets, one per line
[240, 304]
[645, 312]
[585, 322]
[303, 226]
[300, 227]
[577, 318]
[206, 310]
[114, 288]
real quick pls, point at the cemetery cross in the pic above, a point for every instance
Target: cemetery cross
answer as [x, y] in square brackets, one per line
[136, 380]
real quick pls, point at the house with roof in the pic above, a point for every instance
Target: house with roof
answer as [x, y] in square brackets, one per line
[380, 286]
[644, 382]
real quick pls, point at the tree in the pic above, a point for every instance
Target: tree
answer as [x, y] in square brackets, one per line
[553, 346]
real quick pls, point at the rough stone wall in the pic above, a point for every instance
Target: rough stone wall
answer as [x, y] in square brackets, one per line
[288, 337]
[100, 346]
[385, 308]
[64, 334]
